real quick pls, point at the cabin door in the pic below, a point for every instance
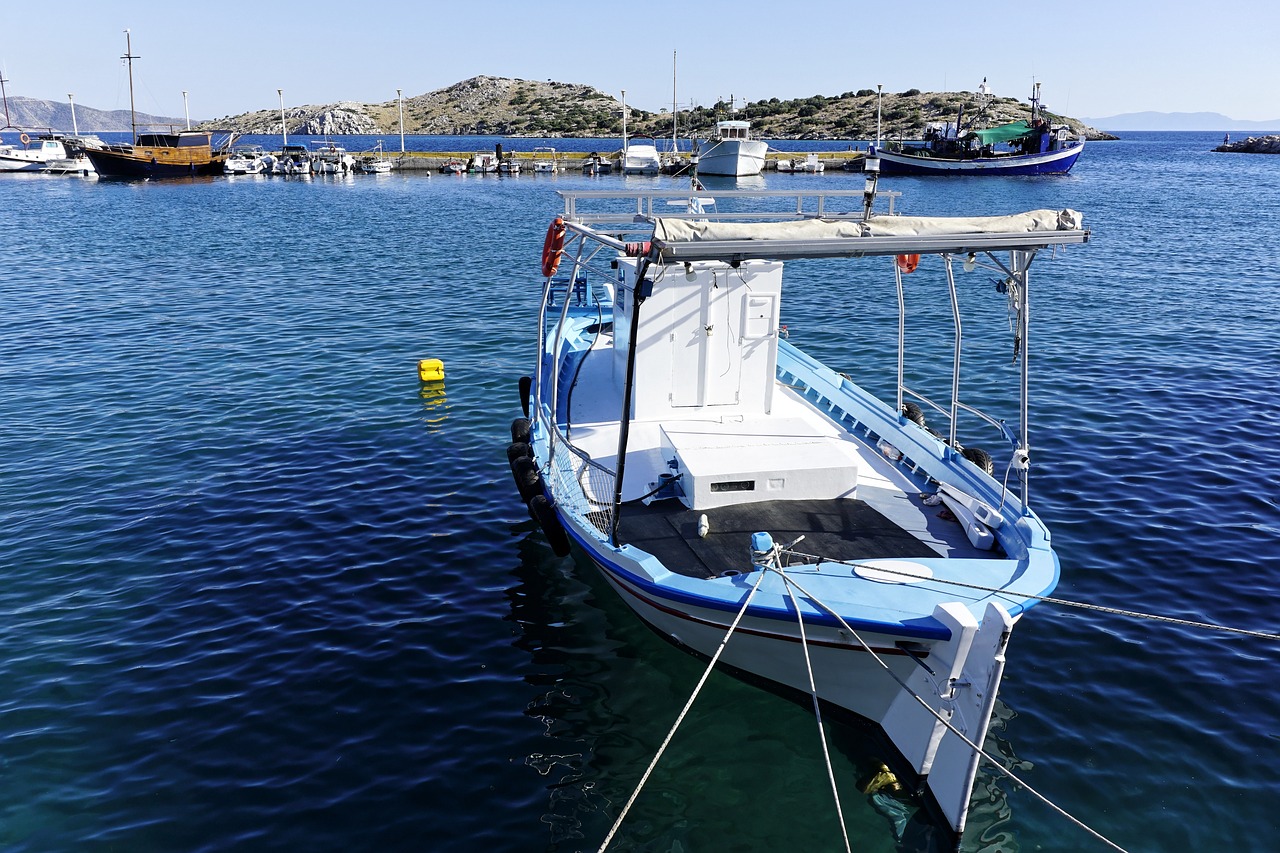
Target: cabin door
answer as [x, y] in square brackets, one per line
[707, 362]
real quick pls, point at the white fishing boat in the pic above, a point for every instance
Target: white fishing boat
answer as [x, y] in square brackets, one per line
[376, 163]
[31, 153]
[640, 157]
[732, 151]
[485, 162]
[330, 158]
[544, 161]
[719, 476]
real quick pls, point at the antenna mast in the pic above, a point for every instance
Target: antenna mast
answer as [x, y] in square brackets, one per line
[129, 58]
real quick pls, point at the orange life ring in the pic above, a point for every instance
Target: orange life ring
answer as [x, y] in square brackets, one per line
[25, 139]
[553, 247]
[908, 263]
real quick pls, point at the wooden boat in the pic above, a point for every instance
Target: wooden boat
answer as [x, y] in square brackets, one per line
[176, 154]
[1028, 147]
[164, 155]
[718, 475]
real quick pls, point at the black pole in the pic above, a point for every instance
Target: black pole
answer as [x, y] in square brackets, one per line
[624, 422]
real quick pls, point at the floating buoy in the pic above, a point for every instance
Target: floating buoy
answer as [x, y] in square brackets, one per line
[908, 263]
[553, 247]
[431, 370]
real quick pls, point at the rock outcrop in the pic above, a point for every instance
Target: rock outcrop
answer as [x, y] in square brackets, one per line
[1252, 145]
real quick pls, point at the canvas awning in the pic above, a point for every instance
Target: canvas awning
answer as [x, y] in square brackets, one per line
[1002, 133]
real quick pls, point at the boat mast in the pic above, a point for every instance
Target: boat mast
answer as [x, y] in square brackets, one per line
[129, 58]
[674, 120]
[624, 124]
[284, 129]
[75, 128]
[5, 96]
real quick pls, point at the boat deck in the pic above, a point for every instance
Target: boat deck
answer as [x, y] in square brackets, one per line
[834, 529]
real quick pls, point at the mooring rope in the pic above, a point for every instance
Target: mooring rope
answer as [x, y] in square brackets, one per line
[996, 764]
[1099, 608]
[687, 705]
[817, 711]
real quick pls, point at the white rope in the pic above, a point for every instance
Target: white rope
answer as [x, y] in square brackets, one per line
[687, 705]
[998, 766]
[817, 711]
[1114, 611]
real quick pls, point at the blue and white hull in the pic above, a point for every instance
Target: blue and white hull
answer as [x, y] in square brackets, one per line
[1048, 163]
[899, 564]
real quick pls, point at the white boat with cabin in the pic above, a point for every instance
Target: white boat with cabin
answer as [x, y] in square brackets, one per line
[732, 151]
[765, 511]
[640, 157]
[544, 161]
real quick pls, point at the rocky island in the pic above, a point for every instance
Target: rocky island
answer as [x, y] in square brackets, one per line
[509, 107]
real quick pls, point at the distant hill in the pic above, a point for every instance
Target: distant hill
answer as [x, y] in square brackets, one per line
[1178, 121]
[36, 114]
[533, 108]
[512, 107]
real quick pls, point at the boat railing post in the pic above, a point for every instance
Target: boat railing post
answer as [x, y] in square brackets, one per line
[1020, 263]
[955, 360]
[902, 332]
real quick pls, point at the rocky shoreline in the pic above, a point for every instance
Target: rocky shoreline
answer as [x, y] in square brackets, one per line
[1252, 145]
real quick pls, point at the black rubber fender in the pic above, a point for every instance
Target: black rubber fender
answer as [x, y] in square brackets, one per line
[526, 386]
[516, 450]
[913, 413]
[520, 429]
[545, 514]
[528, 477]
[980, 458]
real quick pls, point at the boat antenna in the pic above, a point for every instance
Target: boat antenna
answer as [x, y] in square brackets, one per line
[129, 58]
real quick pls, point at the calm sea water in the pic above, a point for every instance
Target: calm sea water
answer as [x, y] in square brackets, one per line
[263, 591]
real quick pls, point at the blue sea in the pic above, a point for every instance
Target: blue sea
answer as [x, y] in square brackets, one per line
[262, 590]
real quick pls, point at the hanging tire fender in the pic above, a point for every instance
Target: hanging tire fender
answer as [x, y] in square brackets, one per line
[527, 476]
[545, 514]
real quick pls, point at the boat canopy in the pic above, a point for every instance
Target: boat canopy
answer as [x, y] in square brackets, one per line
[678, 239]
[1002, 133]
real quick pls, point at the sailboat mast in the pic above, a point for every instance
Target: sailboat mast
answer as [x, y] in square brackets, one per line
[75, 128]
[5, 96]
[129, 58]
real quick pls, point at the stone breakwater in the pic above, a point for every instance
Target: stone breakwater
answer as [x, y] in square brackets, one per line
[1252, 145]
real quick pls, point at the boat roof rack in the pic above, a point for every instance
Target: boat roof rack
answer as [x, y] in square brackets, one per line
[813, 228]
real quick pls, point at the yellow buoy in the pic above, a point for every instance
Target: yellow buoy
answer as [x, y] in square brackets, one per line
[431, 370]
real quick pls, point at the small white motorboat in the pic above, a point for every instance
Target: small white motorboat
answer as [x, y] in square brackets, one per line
[544, 161]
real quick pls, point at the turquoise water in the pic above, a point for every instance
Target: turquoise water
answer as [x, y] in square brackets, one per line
[264, 592]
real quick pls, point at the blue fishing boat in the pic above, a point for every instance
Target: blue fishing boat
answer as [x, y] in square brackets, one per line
[755, 506]
[1025, 147]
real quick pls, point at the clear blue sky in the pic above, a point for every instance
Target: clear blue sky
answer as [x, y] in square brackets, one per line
[1093, 58]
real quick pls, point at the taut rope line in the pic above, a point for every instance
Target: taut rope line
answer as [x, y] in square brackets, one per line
[817, 711]
[996, 764]
[1114, 611]
[687, 705]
